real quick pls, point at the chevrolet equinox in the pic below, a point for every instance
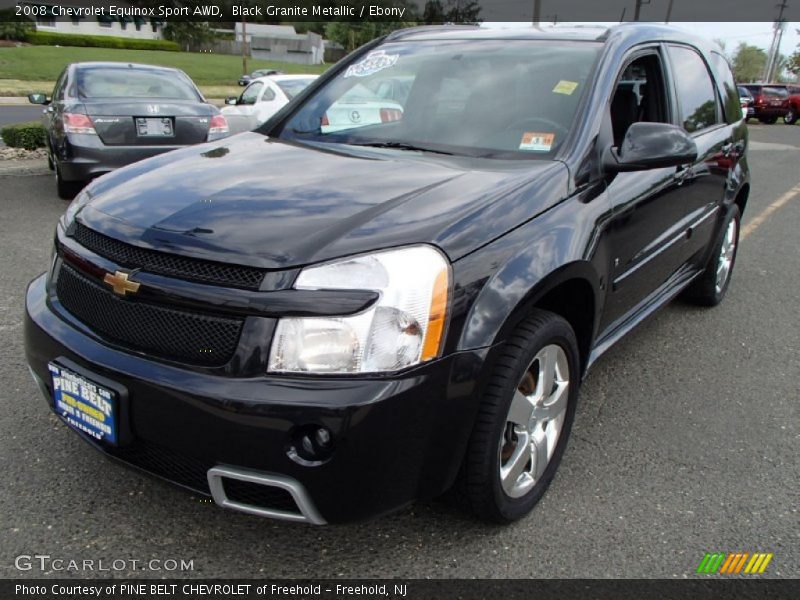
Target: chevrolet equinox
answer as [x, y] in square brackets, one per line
[395, 286]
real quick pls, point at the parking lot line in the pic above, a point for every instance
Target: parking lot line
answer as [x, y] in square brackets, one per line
[756, 222]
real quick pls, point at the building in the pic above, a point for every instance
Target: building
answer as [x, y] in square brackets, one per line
[130, 27]
[282, 43]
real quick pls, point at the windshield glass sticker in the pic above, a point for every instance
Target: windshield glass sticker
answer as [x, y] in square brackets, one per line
[565, 87]
[374, 62]
[537, 142]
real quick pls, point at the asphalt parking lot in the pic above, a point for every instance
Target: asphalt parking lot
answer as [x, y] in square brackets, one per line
[686, 442]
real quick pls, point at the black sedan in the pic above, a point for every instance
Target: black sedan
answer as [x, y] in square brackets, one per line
[323, 324]
[245, 79]
[105, 115]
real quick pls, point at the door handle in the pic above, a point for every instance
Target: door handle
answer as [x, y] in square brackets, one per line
[731, 149]
[682, 173]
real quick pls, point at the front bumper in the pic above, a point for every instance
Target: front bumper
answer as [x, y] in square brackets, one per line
[86, 156]
[396, 439]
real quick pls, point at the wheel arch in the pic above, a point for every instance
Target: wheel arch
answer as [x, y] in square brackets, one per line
[572, 292]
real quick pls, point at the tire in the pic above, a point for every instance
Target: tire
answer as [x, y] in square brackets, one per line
[707, 289]
[67, 190]
[790, 118]
[543, 337]
[50, 162]
[768, 120]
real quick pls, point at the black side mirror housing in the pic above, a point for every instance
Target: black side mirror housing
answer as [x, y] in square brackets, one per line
[651, 146]
[232, 100]
[38, 99]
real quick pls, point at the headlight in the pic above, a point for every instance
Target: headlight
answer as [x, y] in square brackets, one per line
[403, 328]
[74, 208]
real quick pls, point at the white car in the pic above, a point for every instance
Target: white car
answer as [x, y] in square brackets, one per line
[360, 107]
[261, 99]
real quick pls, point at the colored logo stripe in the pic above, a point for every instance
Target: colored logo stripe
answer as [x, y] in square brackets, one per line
[732, 563]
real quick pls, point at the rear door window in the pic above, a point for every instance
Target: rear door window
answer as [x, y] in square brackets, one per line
[696, 94]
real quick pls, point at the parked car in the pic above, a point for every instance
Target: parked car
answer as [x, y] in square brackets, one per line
[790, 118]
[746, 100]
[105, 115]
[323, 326]
[770, 101]
[360, 107]
[245, 79]
[261, 99]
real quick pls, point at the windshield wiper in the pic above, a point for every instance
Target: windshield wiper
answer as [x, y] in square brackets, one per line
[401, 146]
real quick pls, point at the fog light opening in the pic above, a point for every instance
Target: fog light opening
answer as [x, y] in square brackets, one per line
[311, 445]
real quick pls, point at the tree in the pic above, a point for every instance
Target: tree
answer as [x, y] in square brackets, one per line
[13, 27]
[452, 11]
[188, 33]
[749, 62]
[793, 64]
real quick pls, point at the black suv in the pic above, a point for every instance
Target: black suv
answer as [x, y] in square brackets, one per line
[329, 318]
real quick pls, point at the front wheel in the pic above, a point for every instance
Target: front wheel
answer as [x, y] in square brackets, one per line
[524, 421]
[710, 287]
[790, 118]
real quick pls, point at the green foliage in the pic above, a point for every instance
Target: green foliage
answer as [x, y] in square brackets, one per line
[29, 135]
[452, 11]
[13, 27]
[188, 33]
[793, 64]
[749, 62]
[45, 38]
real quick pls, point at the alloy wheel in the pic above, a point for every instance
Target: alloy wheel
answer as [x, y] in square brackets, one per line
[726, 255]
[534, 421]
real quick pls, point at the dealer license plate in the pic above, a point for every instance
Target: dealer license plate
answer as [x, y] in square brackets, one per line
[84, 405]
[160, 127]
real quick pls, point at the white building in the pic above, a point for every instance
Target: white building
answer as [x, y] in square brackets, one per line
[282, 43]
[130, 27]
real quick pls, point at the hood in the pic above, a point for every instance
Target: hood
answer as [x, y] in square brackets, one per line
[258, 201]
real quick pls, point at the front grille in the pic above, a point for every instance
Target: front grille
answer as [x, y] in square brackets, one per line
[262, 496]
[175, 334]
[187, 471]
[180, 267]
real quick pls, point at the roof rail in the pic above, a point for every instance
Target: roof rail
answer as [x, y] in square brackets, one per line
[400, 33]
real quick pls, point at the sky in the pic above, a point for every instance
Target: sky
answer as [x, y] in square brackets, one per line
[757, 34]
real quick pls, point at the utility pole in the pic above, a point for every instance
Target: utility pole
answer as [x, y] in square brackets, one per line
[775, 47]
[537, 12]
[669, 11]
[244, 43]
[638, 8]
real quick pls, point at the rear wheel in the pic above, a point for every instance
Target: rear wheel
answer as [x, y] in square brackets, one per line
[67, 190]
[790, 118]
[524, 421]
[709, 289]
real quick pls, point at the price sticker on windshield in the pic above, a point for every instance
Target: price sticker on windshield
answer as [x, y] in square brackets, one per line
[565, 87]
[537, 142]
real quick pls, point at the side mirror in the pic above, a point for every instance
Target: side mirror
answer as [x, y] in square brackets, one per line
[38, 99]
[232, 100]
[651, 146]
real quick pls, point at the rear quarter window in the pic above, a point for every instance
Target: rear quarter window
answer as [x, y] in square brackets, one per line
[726, 87]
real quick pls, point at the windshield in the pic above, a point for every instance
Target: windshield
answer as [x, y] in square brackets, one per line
[129, 82]
[292, 87]
[486, 98]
